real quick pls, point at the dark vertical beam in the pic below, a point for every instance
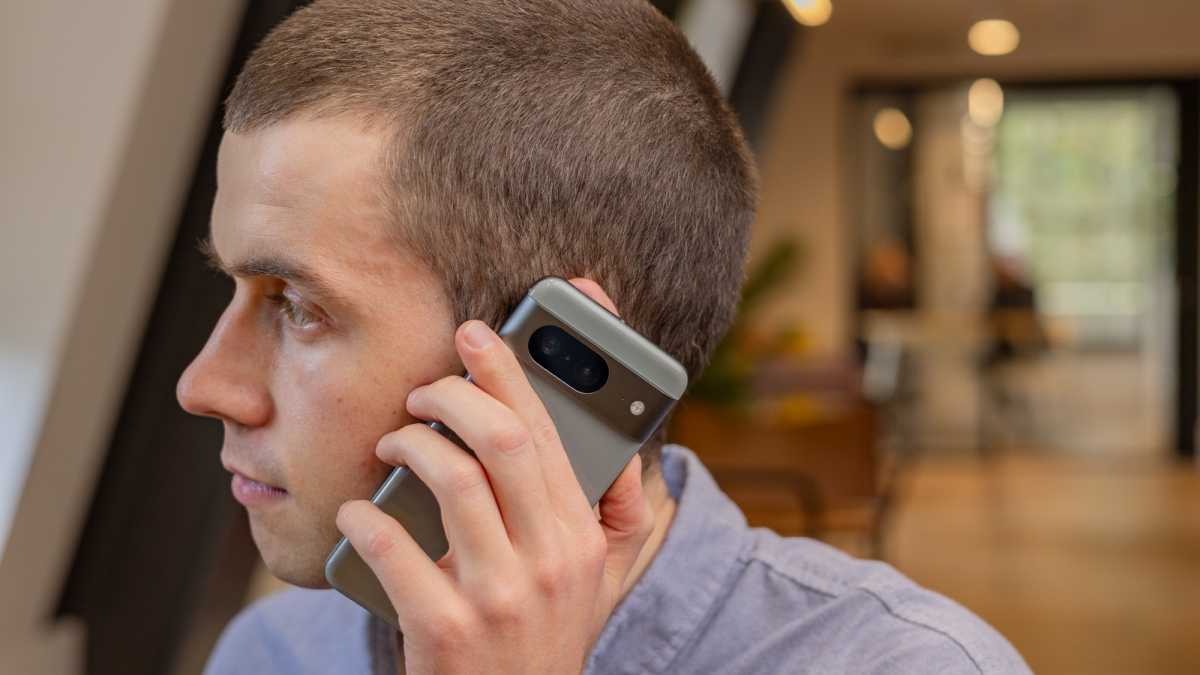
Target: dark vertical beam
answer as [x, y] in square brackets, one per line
[767, 47]
[1187, 267]
[667, 7]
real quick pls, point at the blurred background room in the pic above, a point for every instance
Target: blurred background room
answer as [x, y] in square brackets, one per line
[969, 343]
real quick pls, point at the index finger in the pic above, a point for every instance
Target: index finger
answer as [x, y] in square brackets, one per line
[495, 369]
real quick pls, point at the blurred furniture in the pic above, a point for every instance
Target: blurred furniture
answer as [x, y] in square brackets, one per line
[1017, 341]
[801, 458]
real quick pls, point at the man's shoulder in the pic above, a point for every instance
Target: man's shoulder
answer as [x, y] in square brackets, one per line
[854, 615]
[294, 631]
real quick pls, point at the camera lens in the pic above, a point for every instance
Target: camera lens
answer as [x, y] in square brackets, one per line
[586, 376]
[589, 374]
[568, 359]
[550, 344]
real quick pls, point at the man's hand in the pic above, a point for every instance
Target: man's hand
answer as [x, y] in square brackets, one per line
[532, 575]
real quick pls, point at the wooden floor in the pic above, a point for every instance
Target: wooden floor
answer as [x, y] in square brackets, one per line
[1087, 565]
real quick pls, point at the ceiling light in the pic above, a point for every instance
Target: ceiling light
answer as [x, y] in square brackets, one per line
[892, 128]
[993, 37]
[810, 12]
[985, 102]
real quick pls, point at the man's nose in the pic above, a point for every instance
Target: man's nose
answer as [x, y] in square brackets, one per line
[224, 380]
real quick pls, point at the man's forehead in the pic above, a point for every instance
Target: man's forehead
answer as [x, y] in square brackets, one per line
[293, 159]
[303, 192]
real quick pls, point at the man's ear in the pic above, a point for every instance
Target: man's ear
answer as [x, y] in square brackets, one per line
[593, 291]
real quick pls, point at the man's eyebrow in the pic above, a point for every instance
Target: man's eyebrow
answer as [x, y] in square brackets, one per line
[211, 259]
[271, 266]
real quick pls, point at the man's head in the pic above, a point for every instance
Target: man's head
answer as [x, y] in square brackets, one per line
[392, 169]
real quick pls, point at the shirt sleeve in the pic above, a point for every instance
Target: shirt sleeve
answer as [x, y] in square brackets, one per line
[916, 652]
[915, 648]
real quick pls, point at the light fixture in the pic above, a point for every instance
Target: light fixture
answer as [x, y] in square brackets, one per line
[810, 12]
[993, 37]
[892, 128]
[985, 102]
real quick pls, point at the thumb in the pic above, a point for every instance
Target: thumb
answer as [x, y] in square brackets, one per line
[626, 519]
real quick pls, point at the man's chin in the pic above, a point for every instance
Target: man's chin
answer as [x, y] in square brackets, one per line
[302, 576]
[298, 564]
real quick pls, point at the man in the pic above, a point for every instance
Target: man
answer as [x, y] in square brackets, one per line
[393, 177]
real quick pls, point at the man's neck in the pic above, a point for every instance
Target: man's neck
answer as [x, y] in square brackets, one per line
[654, 489]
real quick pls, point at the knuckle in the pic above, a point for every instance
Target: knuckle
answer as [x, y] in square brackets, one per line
[508, 438]
[500, 605]
[545, 435]
[380, 543]
[465, 478]
[488, 364]
[550, 576]
[499, 366]
[447, 631]
[593, 545]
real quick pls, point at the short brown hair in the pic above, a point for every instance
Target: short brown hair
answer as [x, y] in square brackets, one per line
[535, 137]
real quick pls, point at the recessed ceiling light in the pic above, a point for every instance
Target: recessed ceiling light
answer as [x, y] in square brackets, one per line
[985, 102]
[993, 37]
[810, 12]
[892, 128]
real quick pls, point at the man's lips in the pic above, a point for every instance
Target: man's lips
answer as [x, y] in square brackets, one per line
[253, 493]
[250, 491]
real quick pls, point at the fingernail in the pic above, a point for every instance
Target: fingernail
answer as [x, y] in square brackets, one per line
[477, 334]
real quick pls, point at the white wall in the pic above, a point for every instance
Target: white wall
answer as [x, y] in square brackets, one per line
[71, 89]
[104, 104]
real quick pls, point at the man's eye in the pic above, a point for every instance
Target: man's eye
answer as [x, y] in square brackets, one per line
[294, 313]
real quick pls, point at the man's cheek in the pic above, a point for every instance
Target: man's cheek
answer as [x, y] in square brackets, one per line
[341, 412]
[344, 466]
[321, 390]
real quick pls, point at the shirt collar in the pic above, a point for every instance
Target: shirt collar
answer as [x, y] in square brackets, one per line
[686, 580]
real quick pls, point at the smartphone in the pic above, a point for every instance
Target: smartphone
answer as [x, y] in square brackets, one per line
[606, 387]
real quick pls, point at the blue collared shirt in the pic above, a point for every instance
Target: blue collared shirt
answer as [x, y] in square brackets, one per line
[719, 597]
